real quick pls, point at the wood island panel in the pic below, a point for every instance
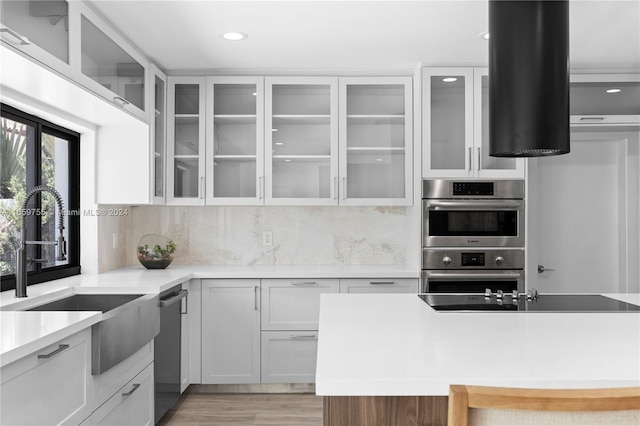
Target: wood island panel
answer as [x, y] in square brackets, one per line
[385, 410]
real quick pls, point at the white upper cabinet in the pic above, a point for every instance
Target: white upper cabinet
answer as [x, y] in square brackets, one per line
[186, 141]
[375, 141]
[604, 100]
[234, 140]
[484, 164]
[39, 29]
[110, 66]
[455, 125]
[301, 140]
[72, 39]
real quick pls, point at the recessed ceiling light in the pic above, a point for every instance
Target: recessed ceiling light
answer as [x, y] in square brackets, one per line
[234, 36]
[378, 159]
[449, 79]
[613, 90]
[274, 130]
[287, 160]
[279, 143]
[254, 94]
[484, 35]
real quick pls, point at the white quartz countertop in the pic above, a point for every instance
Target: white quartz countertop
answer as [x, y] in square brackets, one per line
[395, 344]
[26, 332]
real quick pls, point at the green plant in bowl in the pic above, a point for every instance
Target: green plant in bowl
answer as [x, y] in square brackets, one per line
[155, 251]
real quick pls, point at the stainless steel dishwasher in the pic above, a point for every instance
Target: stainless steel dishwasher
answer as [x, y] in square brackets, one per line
[167, 350]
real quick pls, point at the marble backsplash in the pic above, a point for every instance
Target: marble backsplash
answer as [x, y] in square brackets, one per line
[300, 235]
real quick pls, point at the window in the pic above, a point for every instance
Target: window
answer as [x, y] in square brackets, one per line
[35, 152]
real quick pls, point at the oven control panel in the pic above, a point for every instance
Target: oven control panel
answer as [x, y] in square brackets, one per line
[472, 259]
[472, 188]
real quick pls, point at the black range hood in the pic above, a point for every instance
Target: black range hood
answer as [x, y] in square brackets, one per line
[528, 78]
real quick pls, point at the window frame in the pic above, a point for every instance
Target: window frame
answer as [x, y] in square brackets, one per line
[71, 205]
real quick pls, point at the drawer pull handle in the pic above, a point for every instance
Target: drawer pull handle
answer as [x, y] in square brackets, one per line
[302, 336]
[381, 282]
[304, 283]
[54, 353]
[133, 389]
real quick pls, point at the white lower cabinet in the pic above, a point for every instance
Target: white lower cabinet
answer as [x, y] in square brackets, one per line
[131, 405]
[384, 285]
[230, 331]
[294, 304]
[266, 331]
[51, 386]
[289, 356]
[124, 394]
[290, 315]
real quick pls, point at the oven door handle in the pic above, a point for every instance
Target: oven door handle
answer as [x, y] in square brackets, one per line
[476, 277]
[469, 204]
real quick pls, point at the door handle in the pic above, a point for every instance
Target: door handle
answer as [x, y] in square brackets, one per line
[542, 269]
[21, 39]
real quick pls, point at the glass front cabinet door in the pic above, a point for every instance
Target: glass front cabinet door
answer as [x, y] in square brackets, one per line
[455, 128]
[157, 120]
[375, 141]
[234, 148]
[301, 140]
[38, 28]
[484, 164]
[186, 141]
[110, 66]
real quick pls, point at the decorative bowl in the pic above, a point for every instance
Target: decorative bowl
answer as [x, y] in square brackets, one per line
[155, 251]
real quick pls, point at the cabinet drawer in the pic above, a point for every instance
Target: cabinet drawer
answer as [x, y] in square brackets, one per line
[51, 386]
[131, 405]
[375, 285]
[294, 304]
[107, 383]
[289, 356]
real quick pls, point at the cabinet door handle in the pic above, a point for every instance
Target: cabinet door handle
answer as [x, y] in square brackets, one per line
[335, 188]
[344, 188]
[54, 353]
[255, 298]
[120, 100]
[21, 39]
[260, 187]
[133, 389]
[304, 283]
[381, 282]
[470, 159]
[302, 336]
[479, 165]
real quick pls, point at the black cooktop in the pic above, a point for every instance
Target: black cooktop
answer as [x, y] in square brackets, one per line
[543, 303]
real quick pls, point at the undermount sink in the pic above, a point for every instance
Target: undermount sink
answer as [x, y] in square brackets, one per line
[88, 302]
[129, 321]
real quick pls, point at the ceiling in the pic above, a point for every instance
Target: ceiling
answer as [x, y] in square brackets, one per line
[384, 37]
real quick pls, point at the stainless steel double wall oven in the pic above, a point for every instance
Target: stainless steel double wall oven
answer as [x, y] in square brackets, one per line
[473, 236]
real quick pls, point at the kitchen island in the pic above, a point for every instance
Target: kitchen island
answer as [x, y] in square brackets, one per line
[391, 358]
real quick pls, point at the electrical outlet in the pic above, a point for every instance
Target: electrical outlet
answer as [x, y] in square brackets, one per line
[115, 241]
[267, 238]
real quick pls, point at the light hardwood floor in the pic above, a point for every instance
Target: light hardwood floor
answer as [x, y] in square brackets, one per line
[245, 409]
